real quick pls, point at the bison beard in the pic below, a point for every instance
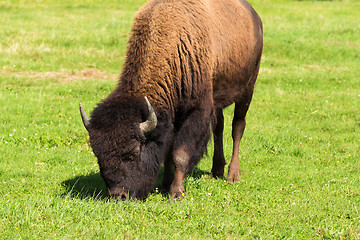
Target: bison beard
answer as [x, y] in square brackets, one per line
[190, 58]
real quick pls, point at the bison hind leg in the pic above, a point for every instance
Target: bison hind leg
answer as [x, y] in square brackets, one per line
[218, 158]
[238, 127]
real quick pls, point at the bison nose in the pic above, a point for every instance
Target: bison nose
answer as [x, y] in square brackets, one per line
[119, 194]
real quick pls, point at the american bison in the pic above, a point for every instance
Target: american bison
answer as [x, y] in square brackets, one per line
[186, 60]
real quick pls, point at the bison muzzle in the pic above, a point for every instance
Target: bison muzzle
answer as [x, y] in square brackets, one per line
[186, 61]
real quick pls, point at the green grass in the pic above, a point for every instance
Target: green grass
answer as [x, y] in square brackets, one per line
[299, 155]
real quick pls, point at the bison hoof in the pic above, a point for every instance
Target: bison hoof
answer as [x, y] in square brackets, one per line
[234, 176]
[177, 195]
[177, 192]
[217, 173]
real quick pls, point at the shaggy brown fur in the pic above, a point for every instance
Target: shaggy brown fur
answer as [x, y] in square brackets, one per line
[191, 58]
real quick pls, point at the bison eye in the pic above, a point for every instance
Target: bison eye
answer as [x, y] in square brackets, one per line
[134, 153]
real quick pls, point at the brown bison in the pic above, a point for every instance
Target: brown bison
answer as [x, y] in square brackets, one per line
[186, 61]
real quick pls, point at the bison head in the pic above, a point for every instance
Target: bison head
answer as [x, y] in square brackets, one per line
[120, 138]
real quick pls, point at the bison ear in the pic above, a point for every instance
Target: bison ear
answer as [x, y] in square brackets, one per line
[150, 124]
[85, 119]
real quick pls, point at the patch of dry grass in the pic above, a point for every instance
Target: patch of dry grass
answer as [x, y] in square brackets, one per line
[65, 76]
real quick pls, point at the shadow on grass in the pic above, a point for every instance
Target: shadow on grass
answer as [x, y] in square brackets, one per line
[89, 186]
[93, 187]
[198, 173]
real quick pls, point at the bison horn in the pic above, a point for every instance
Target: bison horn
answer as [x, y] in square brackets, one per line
[85, 118]
[150, 124]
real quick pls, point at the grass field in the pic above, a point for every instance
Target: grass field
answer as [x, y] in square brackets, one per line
[299, 155]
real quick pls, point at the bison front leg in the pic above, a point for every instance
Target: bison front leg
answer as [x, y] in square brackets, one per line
[189, 146]
[181, 160]
[238, 127]
[168, 175]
